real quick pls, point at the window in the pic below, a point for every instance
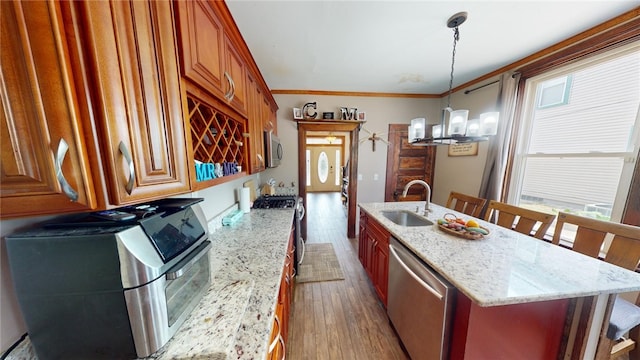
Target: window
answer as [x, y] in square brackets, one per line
[554, 92]
[579, 157]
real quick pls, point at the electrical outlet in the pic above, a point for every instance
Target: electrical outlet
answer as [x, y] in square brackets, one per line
[359, 177]
[375, 177]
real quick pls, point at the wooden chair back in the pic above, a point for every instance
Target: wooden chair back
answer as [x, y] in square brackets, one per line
[466, 204]
[624, 250]
[519, 219]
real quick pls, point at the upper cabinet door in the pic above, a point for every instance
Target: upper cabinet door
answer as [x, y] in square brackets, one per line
[132, 71]
[235, 68]
[209, 58]
[203, 41]
[44, 164]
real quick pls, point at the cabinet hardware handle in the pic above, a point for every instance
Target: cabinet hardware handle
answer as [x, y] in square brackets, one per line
[227, 95]
[411, 273]
[63, 147]
[233, 89]
[284, 347]
[275, 341]
[132, 170]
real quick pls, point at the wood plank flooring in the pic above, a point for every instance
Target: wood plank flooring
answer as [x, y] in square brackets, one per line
[340, 319]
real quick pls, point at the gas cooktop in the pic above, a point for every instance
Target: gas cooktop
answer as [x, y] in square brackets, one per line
[275, 202]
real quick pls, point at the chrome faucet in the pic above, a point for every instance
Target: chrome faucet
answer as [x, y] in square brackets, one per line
[426, 186]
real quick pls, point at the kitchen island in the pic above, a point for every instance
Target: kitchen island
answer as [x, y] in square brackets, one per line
[234, 319]
[508, 273]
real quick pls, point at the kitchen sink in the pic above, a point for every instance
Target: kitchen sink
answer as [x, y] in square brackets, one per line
[406, 218]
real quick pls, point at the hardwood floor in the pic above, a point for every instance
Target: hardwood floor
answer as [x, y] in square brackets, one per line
[340, 319]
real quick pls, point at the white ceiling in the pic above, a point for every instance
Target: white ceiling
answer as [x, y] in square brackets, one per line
[403, 46]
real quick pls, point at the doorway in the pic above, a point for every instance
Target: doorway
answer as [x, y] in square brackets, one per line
[324, 164]
[405, 163]
[351, 130]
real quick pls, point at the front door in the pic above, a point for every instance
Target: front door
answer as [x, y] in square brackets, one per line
[323, 166]
[406, 162]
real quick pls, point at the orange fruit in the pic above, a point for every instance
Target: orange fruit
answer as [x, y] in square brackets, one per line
[472, 223]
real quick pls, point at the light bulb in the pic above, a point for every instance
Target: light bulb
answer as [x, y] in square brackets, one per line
[473, 127]
[436, 131]
[418, 126]
[489, 123]
[458, 122]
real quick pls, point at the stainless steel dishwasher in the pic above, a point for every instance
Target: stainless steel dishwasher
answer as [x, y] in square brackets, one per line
[419, 304]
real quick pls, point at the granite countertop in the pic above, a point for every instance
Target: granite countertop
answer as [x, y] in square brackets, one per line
[234, 319]
[506, 267]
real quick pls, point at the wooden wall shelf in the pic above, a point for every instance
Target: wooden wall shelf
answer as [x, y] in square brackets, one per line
[216, 137]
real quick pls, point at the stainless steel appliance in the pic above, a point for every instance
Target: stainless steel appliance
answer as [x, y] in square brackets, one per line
[96, 289]
[419, 304]
[273, 149]
[287, 202]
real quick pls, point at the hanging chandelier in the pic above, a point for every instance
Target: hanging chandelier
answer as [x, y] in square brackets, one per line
[460, 129]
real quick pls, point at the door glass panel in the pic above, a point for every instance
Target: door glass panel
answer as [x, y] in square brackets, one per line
[323, 167]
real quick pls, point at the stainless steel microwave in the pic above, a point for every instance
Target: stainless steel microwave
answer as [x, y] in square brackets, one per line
[273, 149]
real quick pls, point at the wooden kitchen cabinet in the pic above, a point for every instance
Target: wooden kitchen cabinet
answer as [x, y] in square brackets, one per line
[373, 252]
[256, 138]
[44, 162]
[209, 57]
[216, 60]
[128, 53]
[280, 327]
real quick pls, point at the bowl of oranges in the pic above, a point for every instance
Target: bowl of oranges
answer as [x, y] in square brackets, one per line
[466, 229]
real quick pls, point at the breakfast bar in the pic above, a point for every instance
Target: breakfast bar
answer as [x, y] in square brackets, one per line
[506, 278]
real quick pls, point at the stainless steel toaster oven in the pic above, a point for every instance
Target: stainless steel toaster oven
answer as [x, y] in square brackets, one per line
[91, 289]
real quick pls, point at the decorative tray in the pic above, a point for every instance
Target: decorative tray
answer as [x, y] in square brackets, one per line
[469, 230]
[465, 234]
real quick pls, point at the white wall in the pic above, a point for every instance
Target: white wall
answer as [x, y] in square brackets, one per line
[464, 173]
[380, 112]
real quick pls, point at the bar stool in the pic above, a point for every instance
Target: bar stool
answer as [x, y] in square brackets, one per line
[466, 204]
[624, 251]
[519, 219]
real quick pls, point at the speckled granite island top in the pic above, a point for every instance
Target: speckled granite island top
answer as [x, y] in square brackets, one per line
[506, 267]
[233, 320]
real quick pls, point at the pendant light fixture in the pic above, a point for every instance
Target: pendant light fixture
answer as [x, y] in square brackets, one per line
[460, 130]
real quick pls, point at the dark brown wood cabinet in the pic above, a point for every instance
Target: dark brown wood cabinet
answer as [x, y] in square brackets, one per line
[128, 52]
[373, 252]
[44, 160]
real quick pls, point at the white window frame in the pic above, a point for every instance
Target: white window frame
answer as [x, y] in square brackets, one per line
[530, 104]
